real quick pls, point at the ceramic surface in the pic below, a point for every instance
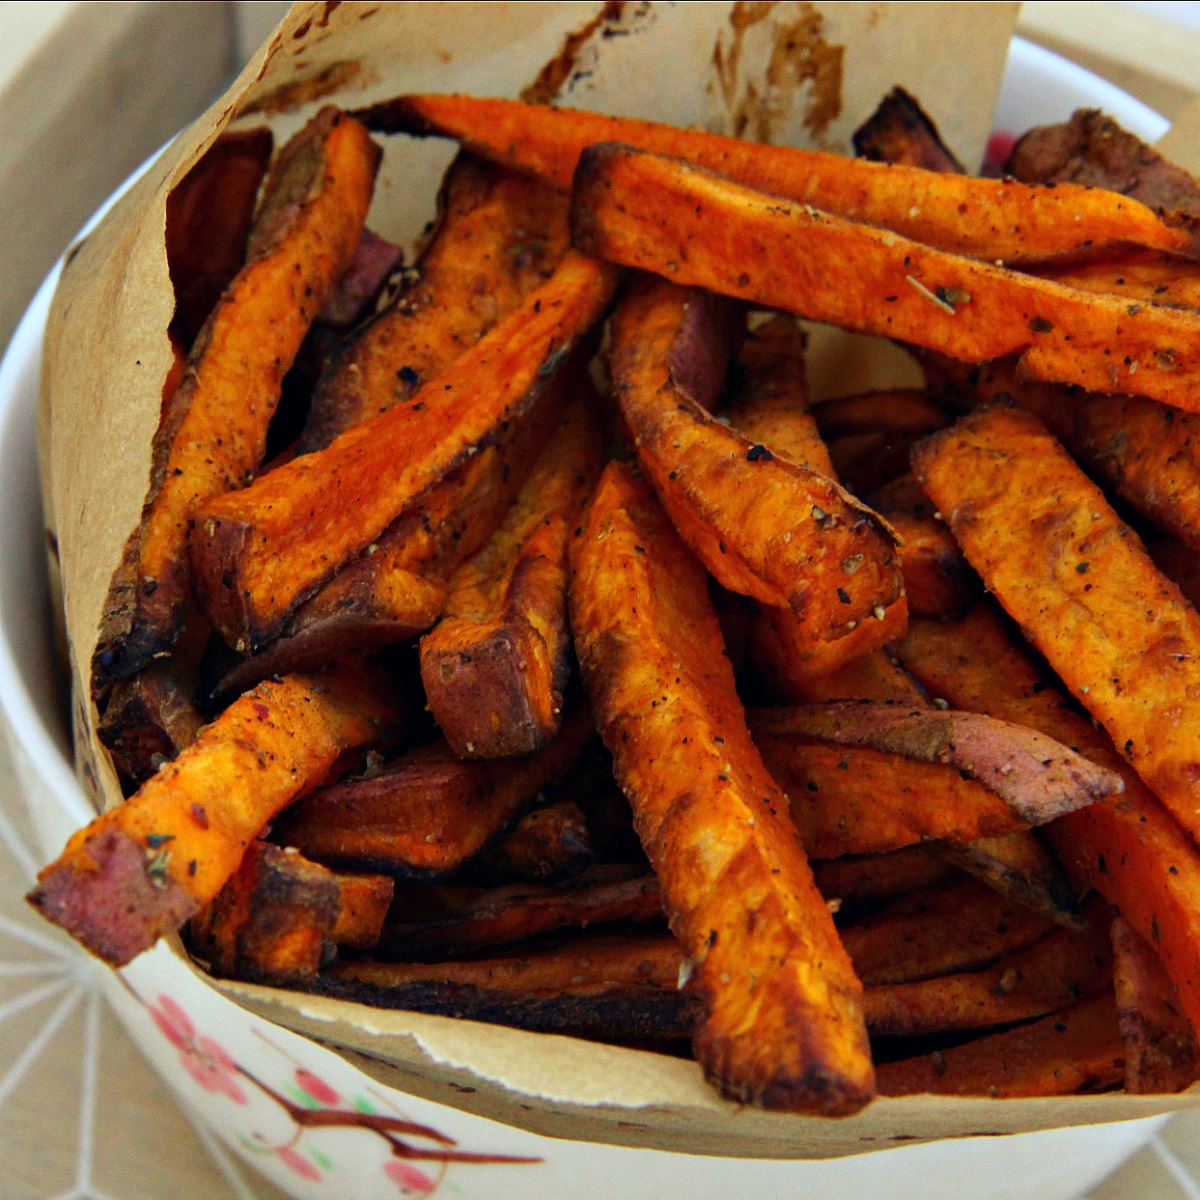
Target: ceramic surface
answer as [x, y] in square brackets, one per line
[308, 1119]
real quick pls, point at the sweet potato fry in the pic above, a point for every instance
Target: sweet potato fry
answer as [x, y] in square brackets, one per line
[148, 720]
[667, 216]
[499, 235]
[209, 212]
[1141, 275]
[1146, 452]
[397, 585]
[1062, 563]
[213, 432]
[901, 133]
[427, 813]
[1038, 778]
[364, 900]
[873, 677]
[512, 914]
[1053, 973]
[1130, 849]
[1076, 1050]
[272, 922]
[1094, 151]
[616, 988]
[547, 845]
[959, 926]
[1021, 867]
[1161, 1051]
[495, 665]
[859, 882]
[140, 870]
[984, 217]
[781, 1007]
[261, 551]
[765, 527]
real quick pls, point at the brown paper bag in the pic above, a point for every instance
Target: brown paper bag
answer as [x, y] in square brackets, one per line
[790, 72]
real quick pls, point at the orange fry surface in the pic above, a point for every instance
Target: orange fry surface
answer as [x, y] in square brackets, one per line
[260, 551]
[990, 218]
[700, 230]
[782, 1008]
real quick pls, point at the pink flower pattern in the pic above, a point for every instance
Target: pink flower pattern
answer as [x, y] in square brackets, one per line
[203, 1059]
[412, 1180]
[298, 1163]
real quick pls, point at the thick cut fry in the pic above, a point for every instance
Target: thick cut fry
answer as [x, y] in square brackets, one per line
[272, 921]
[396, 587]
[873, 677]
[140, 870]
[677, 220]
[499, 236]
[1057, 557]
[1077, 1050]
[209, 213]
[1094, 151]
[1037, 777]
[213, 432]
[616, 988]
[427, 813]
[495, 666]
[1138, 275]
[901, 133]
[512, 914]
[1130, 849]
[261, 551]
[960, 926]
[547, 845]
[985, 217]
[1148, 453]
[1052, 974]
[781, 1023]
[1161, 1051]
[764, 526]
[148, 720]
[866, 881]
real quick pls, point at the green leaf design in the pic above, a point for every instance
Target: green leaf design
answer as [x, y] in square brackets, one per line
[300, 1096]
[363, 1105]
[320, 1159]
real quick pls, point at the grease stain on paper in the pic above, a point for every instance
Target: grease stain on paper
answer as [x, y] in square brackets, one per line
[578, 57]
[801, 65]
[298, 92]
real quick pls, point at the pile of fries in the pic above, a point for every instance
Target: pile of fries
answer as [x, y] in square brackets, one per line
[811, 804]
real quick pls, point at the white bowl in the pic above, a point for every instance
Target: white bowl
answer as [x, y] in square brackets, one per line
[252, 1081]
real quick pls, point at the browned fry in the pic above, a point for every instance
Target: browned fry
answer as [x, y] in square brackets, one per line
[764, 526]
[1040, 779]
[1140, 275]
[1076, 1050]
[261, 551]
[1148, 453]
[937, 579]
[1059, 970]
[1129, 849]
[428, 812]
[873, 677]
[1075, 577]
[499, 235]
[271, 922]
[213, 432]
[149, 719]
[900, 132]
[989, 218]
[960, 926]
[1161, 1050]
[140, 870]
[615, 988]
[363, 908]
[1020, 866]
[517, 912]
[1094, 151]
[495, 666]
[549, 844]
[867, 881]
[397, 585]
[209, 212]
[667, 216]
[900, 413]
[776, 1028]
